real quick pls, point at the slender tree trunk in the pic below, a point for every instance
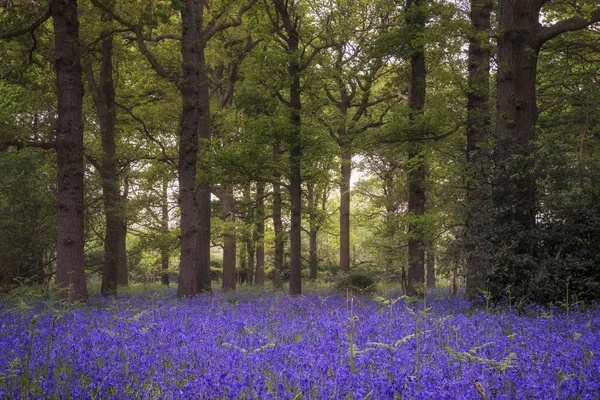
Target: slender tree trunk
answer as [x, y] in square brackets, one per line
[453, 284]
[70, 275]
[229, 238]
[164, 248]
[312, 231]
[295, 184]
[346, 170]
[122, 268]
[259, 234]
[292, 39]
[415, 19]
[278, 228]
[249, 236]
[104, 99]
[188, 145]
[431, 255]
[478, 161]
[203, 194]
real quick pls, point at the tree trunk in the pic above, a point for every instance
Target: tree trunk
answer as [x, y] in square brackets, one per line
[415, 19]
[278, 228]
[188, 145]
[104, 99]
[292, 40]
[259, 234]
[203, 194]
[346, 170]
[312, 231]
[516, 116]
[453, 285]
[295, 183]
[431, 254]
[70, 274]
[229, 239]
[164, 224]
[122, 268]
[249, 236]
[478, 161]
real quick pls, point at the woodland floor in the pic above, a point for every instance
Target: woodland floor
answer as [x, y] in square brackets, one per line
[150, 345]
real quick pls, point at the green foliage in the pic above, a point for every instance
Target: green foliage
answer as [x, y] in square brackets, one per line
[356, 282]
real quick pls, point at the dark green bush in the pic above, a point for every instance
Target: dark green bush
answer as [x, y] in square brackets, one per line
[356, 283]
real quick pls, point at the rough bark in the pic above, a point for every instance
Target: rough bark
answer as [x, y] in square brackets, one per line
[278, 229]
[103, 94]
[229, 240]
[478, 162]
[203, 193]
[292, 39]
[259, 234]
[431, 256]
[188, 145]
[346, 170]
[516, 115]
[249, 239]
[70, 275]
[415, 19]
[122, 268]
[164, 225]
[312, 231]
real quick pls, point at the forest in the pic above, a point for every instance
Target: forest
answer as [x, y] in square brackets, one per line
[299, 198]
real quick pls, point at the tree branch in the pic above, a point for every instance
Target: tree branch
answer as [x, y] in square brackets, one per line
[213, 28]
[562, 98]
[572, 24]
[147, 133]
[30, 28]
[19, 144]
[141, 43]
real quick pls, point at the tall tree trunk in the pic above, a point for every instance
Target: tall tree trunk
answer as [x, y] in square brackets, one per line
[415, 19]
[229, 238]
[259, 234]
[312, 230]
[122, 268]
[516, 116]
[292, 39]
[431, 255]
[70, 275]
[346, 170]
[478, 162]
[164, 224]
[203, 194]
[191, 65]
[248, 235]
[104, 98]
[278, 228]
[295, 182]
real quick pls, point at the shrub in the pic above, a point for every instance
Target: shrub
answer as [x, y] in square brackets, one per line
[357, 283]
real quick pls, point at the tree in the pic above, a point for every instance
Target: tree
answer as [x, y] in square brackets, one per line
[193, 83]
[356, 91]
[70, 275]
[417, 175]
[478, 157]
[520, 38]
[103, 93]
